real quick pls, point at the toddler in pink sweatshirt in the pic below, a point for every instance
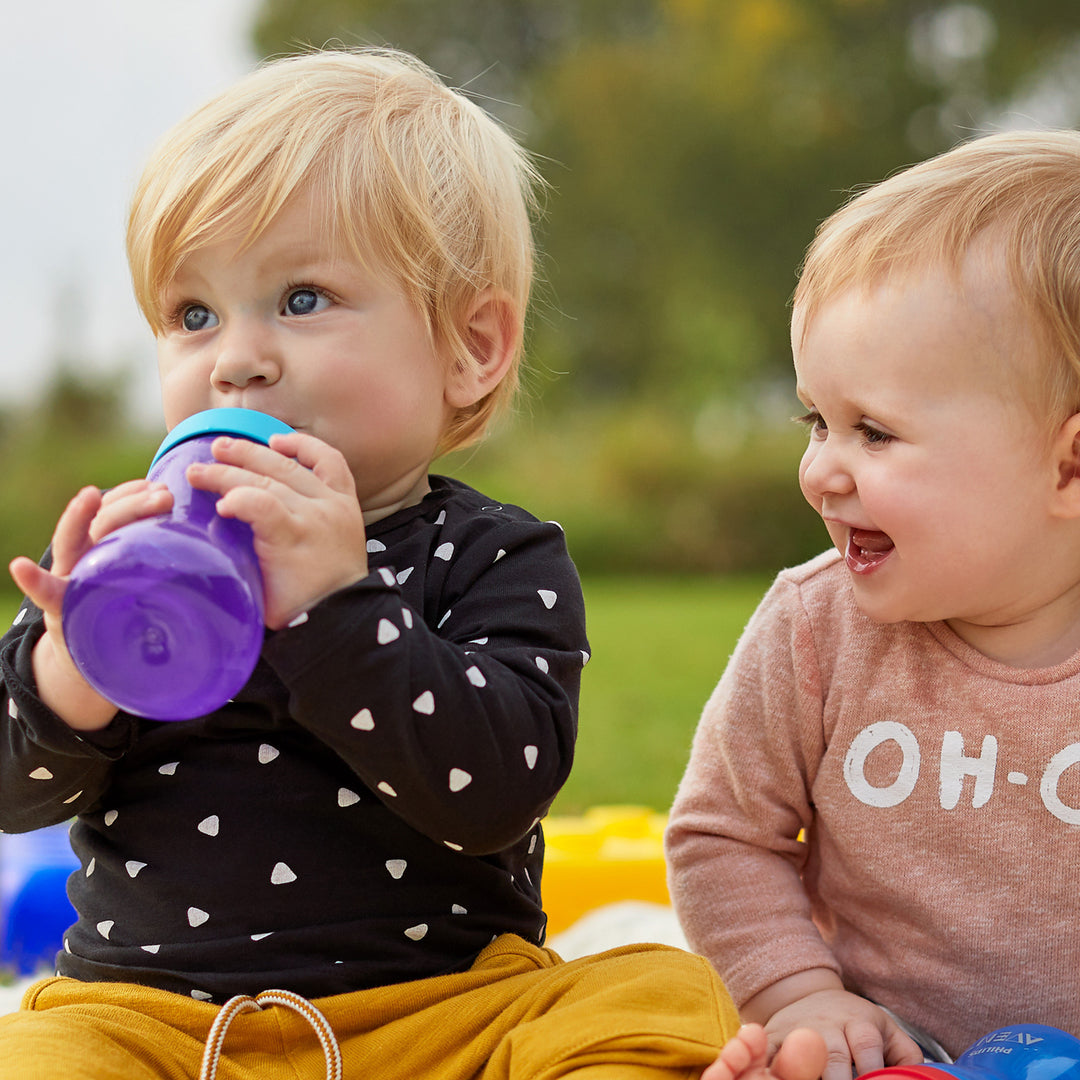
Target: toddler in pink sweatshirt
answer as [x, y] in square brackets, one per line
[879, 817]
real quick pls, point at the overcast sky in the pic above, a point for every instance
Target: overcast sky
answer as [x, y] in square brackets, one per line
[90, 85]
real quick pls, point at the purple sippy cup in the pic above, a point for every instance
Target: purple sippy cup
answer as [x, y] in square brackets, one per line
[1017, 1052]
[164, 617]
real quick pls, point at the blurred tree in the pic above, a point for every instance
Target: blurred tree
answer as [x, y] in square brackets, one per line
[693, 146]
[76, 435]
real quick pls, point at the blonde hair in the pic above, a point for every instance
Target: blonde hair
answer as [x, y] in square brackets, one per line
[1018, 190]
[414, 177]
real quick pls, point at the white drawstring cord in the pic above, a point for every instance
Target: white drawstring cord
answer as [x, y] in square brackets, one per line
[242, 1003]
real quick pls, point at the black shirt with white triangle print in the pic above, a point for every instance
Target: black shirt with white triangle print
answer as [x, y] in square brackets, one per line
[364, 812]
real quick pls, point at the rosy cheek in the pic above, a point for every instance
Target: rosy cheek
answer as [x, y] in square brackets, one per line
[809, 495]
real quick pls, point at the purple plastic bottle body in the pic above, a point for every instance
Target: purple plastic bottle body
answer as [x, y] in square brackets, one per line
[164, 617]
[1016, 1052]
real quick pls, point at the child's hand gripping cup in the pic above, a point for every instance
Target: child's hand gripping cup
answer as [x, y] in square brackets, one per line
[1017, 1052]
[164, 617]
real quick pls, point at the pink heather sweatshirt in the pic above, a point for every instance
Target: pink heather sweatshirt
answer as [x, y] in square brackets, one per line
[940, 794]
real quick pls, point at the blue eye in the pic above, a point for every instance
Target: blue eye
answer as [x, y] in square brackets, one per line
[197, 317]
[304, 302]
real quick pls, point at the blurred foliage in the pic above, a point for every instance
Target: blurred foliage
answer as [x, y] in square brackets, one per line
[77, 436]
[636, 492]
[694, 145]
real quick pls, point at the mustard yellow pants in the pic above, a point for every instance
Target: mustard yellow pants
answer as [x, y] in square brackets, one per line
[642, 1012]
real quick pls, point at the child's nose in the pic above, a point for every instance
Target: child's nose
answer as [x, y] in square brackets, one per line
[824, 470]
[247, 354]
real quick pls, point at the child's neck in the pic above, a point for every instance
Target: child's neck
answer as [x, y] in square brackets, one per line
[1042, 638]
[408, 492]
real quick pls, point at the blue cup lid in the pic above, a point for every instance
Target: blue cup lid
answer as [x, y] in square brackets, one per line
[247, 423]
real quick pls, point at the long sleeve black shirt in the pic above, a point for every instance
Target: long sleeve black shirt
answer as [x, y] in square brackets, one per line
[364, 812]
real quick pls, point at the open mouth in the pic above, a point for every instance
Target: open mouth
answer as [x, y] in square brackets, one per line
[866, 550]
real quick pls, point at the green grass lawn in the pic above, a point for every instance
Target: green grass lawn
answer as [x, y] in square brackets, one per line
[658, 648]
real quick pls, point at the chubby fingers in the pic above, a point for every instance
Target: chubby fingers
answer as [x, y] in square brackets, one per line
[323, 460]
[866, 1046]
[297, 463]
[901, 1048]
[129, 502]
[70, 539]
[42, 588]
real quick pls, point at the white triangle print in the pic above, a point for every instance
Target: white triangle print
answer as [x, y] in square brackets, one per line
[105, 928]
[444, 551]
[41, 773]
[111, 816]
[403, 576]
[476, 676]
[417, 932]
[196, 916]
[202, 995]
[457, 909]
[531, 754]
[375, 546]
[425, 703]
[133, 867]
[150, 948]
[345, 797]
[395, 868]
[386, 789]
[282, 874]
[209, 826]
[386, 632]
[267, 753]
[548, 597]
[169, 769]
[363, 720]
[459, 779]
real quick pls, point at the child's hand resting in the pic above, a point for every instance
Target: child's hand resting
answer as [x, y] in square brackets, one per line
[88, 518]
[857, 1032]
[299, 498]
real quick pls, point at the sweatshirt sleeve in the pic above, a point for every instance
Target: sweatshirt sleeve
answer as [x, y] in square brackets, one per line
[733, 843]
[48, 772]
[456, 704]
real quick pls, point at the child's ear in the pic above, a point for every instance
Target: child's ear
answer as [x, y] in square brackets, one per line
[1067, 462]
[492, 334]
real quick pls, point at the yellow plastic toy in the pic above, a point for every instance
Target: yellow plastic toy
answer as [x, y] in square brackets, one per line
[609, 853]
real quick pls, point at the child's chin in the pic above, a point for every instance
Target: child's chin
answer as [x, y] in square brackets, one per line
[879, 608]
